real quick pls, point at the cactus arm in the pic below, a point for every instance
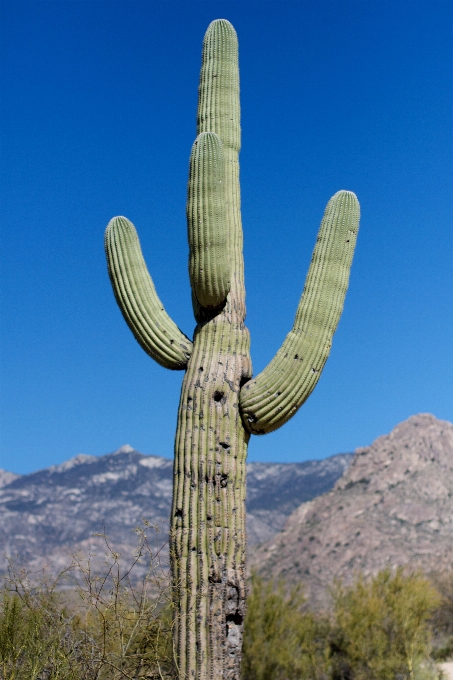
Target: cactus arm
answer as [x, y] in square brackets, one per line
[137, 299]
[209, 266]
[219, 112]
[218, 91]
[273, 397]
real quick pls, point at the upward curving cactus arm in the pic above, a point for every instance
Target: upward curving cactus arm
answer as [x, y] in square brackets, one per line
[273, 397]
[209, 265]
[136, 296]
[218, 91]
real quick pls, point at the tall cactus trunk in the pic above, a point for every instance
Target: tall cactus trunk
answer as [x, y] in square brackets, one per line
[208, 518]
[208, 540]
[221, 405]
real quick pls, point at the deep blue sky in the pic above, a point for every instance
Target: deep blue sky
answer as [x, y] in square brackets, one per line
[98, 118]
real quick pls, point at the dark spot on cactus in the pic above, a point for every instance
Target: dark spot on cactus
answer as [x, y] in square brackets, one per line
[223, 480]
[214, 578]
[252, 418]
[218, 396]
[296, 356]
[224, 445]
[235, 618]
[277, 394]
[314, 370]
[209, 518]
[178, 512]
[189, 398]
[172, 342]
[244, 379]
[201, 369]
[194, 549]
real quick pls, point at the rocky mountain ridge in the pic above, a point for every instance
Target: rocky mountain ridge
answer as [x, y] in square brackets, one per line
[393, 506]
[48, 515]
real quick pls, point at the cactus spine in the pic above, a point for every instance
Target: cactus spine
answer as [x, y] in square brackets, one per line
[220, 406]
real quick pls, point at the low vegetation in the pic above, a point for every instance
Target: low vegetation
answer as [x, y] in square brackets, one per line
[112, 625]
[117, 626]
[381, 627]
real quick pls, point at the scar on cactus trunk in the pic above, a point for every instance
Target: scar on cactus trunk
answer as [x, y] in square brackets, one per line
[221, 405]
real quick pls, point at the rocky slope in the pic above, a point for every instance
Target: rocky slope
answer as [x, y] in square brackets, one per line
[50, 514]
[393, 506]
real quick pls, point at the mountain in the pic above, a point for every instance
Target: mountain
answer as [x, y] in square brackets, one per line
[48, 515]
[393, 506]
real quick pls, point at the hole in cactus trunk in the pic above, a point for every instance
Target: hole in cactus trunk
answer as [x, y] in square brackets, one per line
[234, 618]
[218, 396]
[244, 379]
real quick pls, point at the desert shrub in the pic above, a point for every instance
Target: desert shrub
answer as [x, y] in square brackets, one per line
[382, 627]
[33, 637]
[112, 625]
[442, 618]
[109, 625]
[282, 641]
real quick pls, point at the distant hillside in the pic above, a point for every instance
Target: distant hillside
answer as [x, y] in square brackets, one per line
[393, 506]
[47, 515]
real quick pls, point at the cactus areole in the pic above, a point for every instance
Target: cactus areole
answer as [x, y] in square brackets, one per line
[221, 405]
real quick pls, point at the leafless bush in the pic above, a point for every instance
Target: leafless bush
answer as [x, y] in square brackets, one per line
[87, 623]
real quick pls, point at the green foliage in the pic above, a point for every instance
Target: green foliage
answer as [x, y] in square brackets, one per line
[379, 629]
[111, 627]
[282, 641]
[442, 619]
[34, 637]
[382, 627]
[108, 626]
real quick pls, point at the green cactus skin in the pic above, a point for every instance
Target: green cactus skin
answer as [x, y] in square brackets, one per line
[273, 397]
[209, 266]
[136, 296]
[220, 406]
[208, 539]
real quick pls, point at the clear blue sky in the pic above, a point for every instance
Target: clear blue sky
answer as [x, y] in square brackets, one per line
[98, 118]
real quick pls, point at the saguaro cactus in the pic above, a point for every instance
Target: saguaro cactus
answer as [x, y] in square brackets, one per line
[220, 404]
